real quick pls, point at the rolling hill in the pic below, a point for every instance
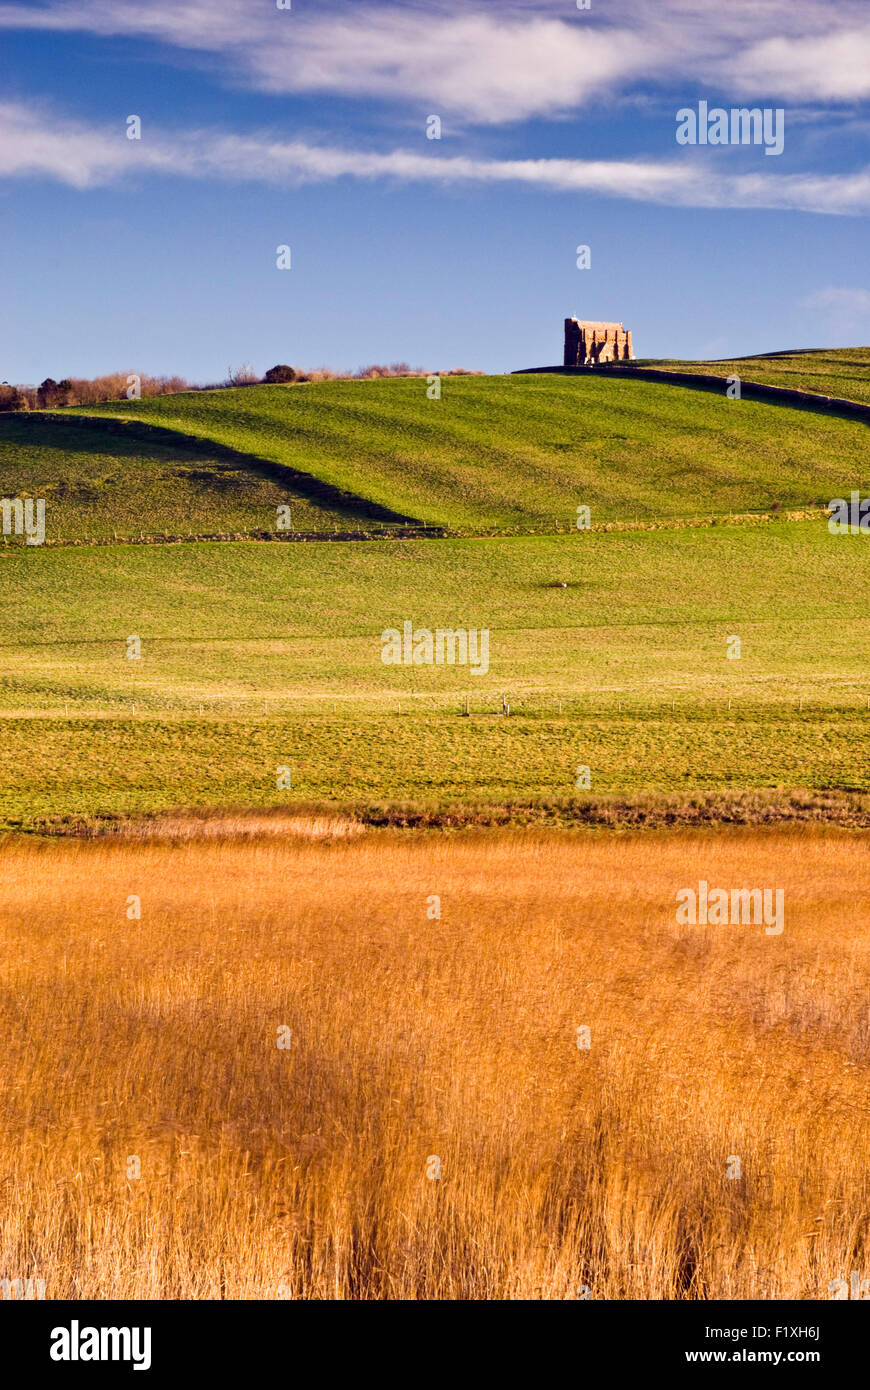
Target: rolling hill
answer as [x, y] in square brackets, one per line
[608, 646]
[843, 372]
[100, 482]
[523, 452]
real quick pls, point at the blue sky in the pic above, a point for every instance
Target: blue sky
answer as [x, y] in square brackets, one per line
[307, 127]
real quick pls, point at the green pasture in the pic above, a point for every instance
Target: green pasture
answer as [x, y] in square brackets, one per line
[260, 655]
[97, 485]
[841, 372]
[521, 453]
[86, 767]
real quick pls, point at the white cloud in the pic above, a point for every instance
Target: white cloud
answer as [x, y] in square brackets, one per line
[36, 144]
[831, 67]
[857, 301]
[525, 59]
[844, 312]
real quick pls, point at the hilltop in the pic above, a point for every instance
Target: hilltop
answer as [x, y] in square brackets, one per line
[516, 453]
[841, 372]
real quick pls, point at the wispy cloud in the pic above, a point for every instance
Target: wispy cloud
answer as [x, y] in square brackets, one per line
[833, 298]
[34, 144]
[843, 311]
[817, 67]
[491, 67]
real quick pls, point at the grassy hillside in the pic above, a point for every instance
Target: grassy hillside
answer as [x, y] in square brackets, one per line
[524, 452]
[256, 656]
[609, 646]
[830, 372]
[98, 484]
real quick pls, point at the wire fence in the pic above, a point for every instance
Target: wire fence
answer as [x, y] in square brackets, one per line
[505, 704]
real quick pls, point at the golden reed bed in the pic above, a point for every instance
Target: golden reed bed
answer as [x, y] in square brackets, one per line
[149, 1045]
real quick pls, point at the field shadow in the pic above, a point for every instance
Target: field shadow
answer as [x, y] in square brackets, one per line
[128, 438]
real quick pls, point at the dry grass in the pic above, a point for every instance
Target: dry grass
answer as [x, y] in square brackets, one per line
[303, 1171]
[236, 827]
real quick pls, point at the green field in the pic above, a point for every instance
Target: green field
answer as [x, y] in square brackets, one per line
[98, 484]
[256, 656]
[608, 647]
[644, 613]
[61, 769]
[841, 372]
[523, 452]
